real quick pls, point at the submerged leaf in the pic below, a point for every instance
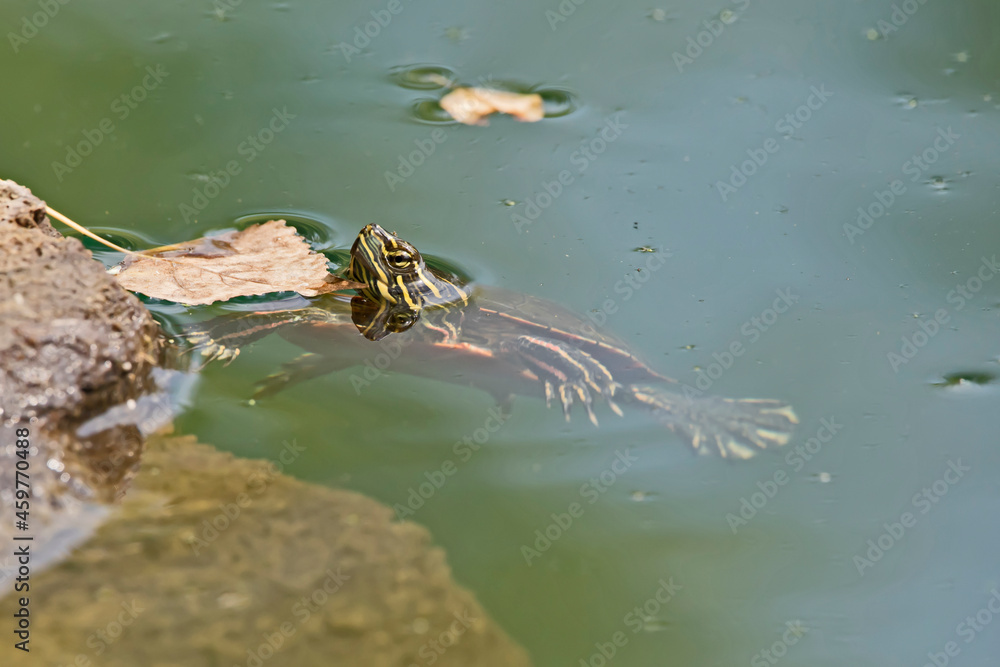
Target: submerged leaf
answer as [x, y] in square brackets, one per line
[269, 257]
[471, 105]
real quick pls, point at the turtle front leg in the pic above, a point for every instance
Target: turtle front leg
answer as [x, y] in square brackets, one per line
[566, 373]
[222, 338]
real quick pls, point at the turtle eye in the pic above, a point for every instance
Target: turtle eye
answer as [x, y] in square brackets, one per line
[401, 321]
[399, 259]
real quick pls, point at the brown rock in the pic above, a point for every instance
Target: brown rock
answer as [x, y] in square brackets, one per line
[72, 345]
[19, 207]
[222, 559]
[71, 340]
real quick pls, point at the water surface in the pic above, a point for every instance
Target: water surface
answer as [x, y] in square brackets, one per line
[871, 103]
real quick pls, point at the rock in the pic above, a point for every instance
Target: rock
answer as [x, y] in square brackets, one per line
[72, 342]
[19, 207]
[72, 345]
[214, 560]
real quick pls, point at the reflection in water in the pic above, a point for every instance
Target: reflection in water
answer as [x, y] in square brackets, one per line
[376, 319]
[422, 77]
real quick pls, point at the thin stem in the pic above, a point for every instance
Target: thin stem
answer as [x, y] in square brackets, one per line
[86, 232]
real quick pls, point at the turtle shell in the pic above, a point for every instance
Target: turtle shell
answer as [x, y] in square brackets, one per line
[469, 349]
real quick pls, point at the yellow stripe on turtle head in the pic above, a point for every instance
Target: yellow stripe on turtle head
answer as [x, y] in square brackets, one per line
[410, 296]
[428, 282]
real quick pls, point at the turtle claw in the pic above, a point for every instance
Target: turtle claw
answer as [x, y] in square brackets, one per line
[216, 352]
[209, 349]
[588, 403]
[611, 403]
[569, 374]
[566, 392]
[550, 393]
[226, 354]
[566, 398]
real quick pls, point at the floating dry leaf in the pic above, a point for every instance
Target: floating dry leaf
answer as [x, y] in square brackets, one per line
[472, 105]
[270, 257]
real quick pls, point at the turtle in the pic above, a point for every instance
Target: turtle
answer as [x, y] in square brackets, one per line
[424, 320]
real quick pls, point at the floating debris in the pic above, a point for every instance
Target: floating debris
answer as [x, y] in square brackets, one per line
[470, 106]
[963, 379]
[939, 183]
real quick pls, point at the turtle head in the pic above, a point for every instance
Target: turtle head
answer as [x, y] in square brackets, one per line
[392, 269]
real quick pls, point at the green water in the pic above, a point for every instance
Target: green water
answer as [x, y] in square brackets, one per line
[221, 76]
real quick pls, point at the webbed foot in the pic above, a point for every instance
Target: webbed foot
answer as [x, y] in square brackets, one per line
[210, 349]
[568, 374]
[728, 427]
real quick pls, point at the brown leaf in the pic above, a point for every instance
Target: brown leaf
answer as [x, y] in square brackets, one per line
[471, 105]
[270, 257]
